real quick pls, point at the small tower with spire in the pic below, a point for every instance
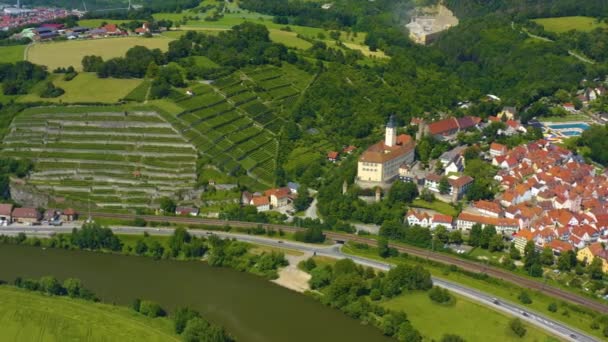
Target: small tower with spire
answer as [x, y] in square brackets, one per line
[390, 138]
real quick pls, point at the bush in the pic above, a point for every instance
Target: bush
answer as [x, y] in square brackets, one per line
[518, 327]
[552, 307]
[524, 297]
[181, 318]
[151, 309]
[308, 264]
[439, 295]
[452, 338]
[136, 305]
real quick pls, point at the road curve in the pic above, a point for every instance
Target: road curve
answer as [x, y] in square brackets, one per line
[424, 253]
[545, 323]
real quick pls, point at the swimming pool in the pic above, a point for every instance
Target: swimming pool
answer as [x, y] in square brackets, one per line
[567, 129]
[570, 125]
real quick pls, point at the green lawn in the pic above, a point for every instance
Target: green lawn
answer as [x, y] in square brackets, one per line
[94, 23]
[11, 54]
[28, 316]
[87, 87]
[472, 321]
[565, 24]
[504, 290]
[442, 207]
[567, 118]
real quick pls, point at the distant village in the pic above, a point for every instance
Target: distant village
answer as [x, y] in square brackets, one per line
[17, 16]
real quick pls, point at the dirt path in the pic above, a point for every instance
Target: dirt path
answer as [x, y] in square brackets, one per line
[291, 276]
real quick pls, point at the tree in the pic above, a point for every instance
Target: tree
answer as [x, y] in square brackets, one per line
[496, 244]
[383, 249]
[444, 186]
[199, 330]
[439, 295]
[167, 205]
[517, 327]
[552, 307]
[141, 247]
[51, 286]
[524, 297]
[441, 234]
[514, 252]
[72, 287]
[487, 234]
[456, 237]
[427, 195]
[546, 256]
[595, 269]
[475, 236]
[408, 333]
[151, 309]
[531, 256]
[402, 192]
[152, 71]
[178, 239]
[564, 261]
[181, 317]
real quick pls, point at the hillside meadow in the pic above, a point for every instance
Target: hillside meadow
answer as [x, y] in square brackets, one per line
[565, 24]
[11, 54]
[86, 87]
[28, 316]
[70, 53]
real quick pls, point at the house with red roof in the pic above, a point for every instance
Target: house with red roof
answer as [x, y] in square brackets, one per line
[332, 156]
[26, 215]
[6, 214]
[488, 208]
[442, 220]
[417, 218]
[497, 149]
[279, 197]
[261, 203]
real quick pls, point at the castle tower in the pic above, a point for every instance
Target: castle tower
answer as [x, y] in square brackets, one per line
[390, 138]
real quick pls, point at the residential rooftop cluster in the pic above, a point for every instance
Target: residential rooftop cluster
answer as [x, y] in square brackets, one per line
[16, 17]
[53, 31]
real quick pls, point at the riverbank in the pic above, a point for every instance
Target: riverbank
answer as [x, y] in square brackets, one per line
[30, 316]
[291, 277]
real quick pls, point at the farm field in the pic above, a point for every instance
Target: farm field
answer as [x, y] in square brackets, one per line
[11, 54]
[28, 316]
[70, 53]
[115, 159]
[565, 24]
[97, 22]
[470, 320]
[87, 87]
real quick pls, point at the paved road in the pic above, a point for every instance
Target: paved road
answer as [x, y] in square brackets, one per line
[334, 251]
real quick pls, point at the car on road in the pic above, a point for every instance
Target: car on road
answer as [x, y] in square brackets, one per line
[280, 241]
[495, 301]
[573, 336]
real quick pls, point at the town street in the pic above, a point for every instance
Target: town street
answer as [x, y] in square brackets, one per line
[334, 251]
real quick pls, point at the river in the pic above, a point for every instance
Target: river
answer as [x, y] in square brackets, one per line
[249, 307]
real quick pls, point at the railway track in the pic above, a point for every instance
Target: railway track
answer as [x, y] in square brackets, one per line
[467, 265]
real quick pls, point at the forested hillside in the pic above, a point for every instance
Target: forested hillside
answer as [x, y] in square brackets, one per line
[529, 8]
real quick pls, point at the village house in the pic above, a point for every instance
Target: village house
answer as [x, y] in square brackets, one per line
[488, 208]
[6, 211]
[508, 112]
[186, 211]
[416, 218]
[332, 156]
[26, 215]
[441, 220]
[447, 128]
[261, 203]
[279, 197]
[497, 149]
[587, 254]
[379, 164]
[465, 221]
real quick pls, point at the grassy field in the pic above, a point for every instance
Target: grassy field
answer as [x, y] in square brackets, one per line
[87, 87]
[93, 23]
[472, 321]
[27, 316]
[70, 53]
[442, 207]
[11, 54]
[565, 24]
[507, 291]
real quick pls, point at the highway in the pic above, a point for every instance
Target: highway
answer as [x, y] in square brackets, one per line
[468, 265]
[543, 322]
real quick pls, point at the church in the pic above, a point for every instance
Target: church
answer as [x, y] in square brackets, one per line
[379, 164]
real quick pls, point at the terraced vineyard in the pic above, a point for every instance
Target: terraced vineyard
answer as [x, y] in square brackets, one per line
[234, 122]
[113, 159]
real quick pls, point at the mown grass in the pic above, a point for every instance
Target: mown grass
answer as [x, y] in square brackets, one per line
[11, 54]
[565, 24]
[508, 291]
[28, 316]
[441, 207]
[470, 320]
[87, 87]
[70, 53]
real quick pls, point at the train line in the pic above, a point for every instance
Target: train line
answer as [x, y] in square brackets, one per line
[464, 264]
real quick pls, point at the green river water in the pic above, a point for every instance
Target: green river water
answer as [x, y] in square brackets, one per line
[250, 307]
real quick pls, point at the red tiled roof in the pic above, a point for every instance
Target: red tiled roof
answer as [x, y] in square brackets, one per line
[440, 218]
[489, 206]
[445, 126]
[380, 153]
[26, 213]
[332, 155]
[561, 246]
[278, 192]
[498, 147]
[488, 220]
[6, 209]
[461, 181]
[260, 201]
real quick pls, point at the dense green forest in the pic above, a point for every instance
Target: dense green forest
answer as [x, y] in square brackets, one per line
[529, 8]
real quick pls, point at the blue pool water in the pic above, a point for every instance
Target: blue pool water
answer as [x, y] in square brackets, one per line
[580, 125]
